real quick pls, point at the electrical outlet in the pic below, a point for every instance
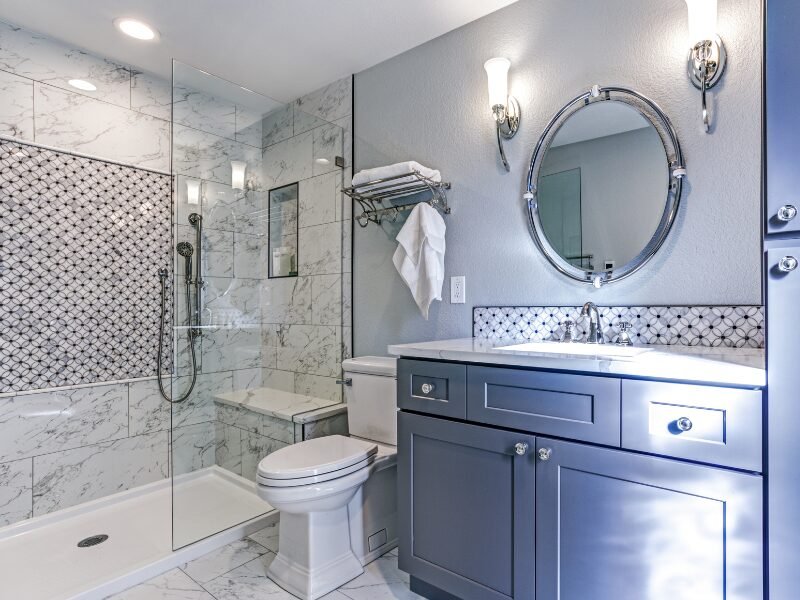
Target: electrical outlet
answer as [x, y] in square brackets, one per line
[458, 289]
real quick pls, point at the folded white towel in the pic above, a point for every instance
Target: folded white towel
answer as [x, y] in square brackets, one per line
[419, 257]
[400, 168]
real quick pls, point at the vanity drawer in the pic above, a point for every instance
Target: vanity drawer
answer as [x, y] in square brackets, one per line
[432, 387]
[578, 407]
[721, 426]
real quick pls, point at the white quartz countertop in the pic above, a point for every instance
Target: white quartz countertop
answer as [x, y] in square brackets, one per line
[694, 364]
[274, 403]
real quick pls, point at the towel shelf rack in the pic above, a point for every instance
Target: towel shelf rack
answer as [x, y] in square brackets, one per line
[372, 194]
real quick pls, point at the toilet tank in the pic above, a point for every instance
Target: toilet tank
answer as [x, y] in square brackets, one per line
[372, 398]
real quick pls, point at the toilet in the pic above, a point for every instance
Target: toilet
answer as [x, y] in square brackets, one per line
[337, 494]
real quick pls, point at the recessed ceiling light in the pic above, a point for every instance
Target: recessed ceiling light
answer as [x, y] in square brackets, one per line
[136, 29]
[82, 85]
[322, 161]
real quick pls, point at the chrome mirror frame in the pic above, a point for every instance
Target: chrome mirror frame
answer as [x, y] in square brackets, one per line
[676, 169]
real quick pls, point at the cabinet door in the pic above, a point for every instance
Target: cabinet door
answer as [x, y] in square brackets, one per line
[783, 416]
[466, 507]
[783, 118]
[614, 525]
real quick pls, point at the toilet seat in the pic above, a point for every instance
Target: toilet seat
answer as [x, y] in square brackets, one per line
[315, 461]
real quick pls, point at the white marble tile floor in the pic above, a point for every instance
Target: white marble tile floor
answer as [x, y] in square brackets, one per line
[238, 571]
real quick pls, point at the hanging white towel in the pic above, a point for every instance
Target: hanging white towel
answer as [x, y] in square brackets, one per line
[419, 257]
[401, 168]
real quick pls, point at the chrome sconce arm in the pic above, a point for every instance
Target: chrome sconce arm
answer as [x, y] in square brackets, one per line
[507, 124]
[705, 66]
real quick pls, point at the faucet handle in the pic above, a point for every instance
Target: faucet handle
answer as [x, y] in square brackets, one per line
[569, 334]
[624, 337]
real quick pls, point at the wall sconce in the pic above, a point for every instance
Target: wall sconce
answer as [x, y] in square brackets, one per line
[706, 62]
[192, 191]
[238, 168]
[505, 108]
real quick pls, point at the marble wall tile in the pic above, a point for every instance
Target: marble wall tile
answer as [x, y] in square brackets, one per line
[228, 449]
[43, 59]
[347, 342]
[331, 102]
[277, 379]
[16, 491]
[286, 300]
[347, 247]
[217, 251]
[318, 386]
[229, 349]
[151, 95]
[277, 429]
[344, 203]
[149, 412]
[248, 126]
[310, 349]
[34, 424]
[64, 479]
[321, 249]
[239, 417]
[232, 210]
[304, 121]
[194, 447]
[346, 123]
[200, 110]
[200, 406]
[326, 146]
[347, 300]
[247, 255]
[318, 200]
[277, 126]
[246, 379]
[336, 425]
[206, 156]
[80, 124]
[232, 302]
[326, 299]
[16, 106]
[289, 161]
[254, 448]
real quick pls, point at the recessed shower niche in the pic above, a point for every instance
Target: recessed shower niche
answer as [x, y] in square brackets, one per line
[283, 230]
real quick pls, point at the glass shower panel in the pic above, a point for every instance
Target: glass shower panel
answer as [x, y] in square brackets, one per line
[265, 349]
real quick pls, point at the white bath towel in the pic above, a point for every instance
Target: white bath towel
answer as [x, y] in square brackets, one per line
[419, 257]
[401, 168]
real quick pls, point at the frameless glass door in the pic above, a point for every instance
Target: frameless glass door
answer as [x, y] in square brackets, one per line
[257, 290]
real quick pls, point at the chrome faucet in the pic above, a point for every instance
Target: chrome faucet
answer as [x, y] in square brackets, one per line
[595, 325]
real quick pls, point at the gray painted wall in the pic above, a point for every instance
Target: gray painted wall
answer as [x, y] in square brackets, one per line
[430, 104]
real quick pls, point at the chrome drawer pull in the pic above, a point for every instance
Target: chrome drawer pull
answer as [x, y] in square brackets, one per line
[544, 453]
[347, 381]
[427, 388]
[521, 448]
[684, 423]
[787, 212]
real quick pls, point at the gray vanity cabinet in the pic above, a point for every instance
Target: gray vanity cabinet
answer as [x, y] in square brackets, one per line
[473, 534]
[613, 525]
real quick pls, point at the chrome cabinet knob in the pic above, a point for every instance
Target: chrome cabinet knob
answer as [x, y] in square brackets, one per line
[544, 453]
[521, 448]
[787, 264]
[684, 423]
[787, 212]
[427, 388]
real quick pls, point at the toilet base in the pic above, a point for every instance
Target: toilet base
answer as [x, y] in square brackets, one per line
[314, 556]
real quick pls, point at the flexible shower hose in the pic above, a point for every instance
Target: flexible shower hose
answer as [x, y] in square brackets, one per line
[163, 277]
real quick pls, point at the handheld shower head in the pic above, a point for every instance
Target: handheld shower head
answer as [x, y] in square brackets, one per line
[186, 250]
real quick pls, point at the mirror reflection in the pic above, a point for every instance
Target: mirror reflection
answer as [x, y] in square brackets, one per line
[602, 186]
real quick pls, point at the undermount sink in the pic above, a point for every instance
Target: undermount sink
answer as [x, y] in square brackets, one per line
[578, 349]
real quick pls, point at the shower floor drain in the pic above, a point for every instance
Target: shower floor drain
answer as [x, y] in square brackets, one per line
[92, 541]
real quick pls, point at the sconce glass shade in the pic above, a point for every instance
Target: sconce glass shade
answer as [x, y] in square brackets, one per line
[192, 191]
[238, 168]
[497, 73]
[702, 20]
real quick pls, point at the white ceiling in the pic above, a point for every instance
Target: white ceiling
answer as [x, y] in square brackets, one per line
[281, 48]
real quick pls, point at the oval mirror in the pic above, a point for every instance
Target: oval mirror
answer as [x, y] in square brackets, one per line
[604, 184]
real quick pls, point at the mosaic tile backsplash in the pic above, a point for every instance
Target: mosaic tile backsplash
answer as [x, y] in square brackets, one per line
[730, 326]
[81, 241]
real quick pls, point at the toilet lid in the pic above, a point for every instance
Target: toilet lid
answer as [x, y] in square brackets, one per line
[315, 457]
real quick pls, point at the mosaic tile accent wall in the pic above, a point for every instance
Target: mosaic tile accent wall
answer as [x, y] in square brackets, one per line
[730, 326]
[81, 241]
